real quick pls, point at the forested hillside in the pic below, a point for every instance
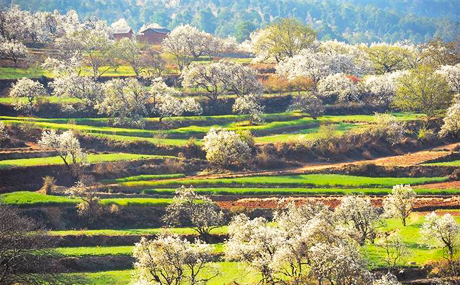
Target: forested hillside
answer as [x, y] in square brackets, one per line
[347, 20]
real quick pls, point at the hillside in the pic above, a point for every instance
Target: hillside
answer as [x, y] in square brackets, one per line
[347, 20]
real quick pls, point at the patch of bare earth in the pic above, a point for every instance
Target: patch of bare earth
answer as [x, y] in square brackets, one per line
[333, 201]
[441, 185]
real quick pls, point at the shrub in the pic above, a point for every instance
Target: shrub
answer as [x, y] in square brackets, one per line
[225, 148]
[387, 126]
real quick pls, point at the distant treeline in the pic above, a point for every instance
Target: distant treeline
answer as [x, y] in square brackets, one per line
[346, 20]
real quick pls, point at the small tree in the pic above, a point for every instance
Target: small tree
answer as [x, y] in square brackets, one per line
[3, 132]
[125, 101]
[360, 216]
[249, 104]
[452, 120]
[395, 249]
[27, 89]
[197, 210]
[282, 39]
[86, 190]
[309, 104]
[444, 231]
[224, 148]
[423, 90]
[25, 250]
[171, 260]
[340, 85]
[13, 50]
[400, 202]
[73, 85]
[66, 145]
[255, 243]
[386, 125]
[130, 51]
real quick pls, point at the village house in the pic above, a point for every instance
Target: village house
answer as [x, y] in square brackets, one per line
[152, 35]
[121, 33]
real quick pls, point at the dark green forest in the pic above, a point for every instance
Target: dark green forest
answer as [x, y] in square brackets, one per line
[353, 21]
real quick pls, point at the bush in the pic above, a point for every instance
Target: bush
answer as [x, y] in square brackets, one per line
[388, 127]
[226, 148]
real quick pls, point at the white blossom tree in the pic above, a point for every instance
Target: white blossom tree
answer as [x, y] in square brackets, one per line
[452, 120]
[255, 243]
[125, 101]
[13, 50]
[341, 85]
[172, 260]
[395, 249]
[382, 87]
[452, 76]
[167, 102]
[73, 85]
[27, 89]
[400, 202]
[387, 126]
[222, 76]
[66, 145]
[309, 104]
[442, 230]
[120, 24]
[224, 148]
[130, 51]
[199, 211]
[186, 43]
[249, 104]
[359, 216]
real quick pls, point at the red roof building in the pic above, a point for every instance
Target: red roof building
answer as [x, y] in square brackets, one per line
[152, 36]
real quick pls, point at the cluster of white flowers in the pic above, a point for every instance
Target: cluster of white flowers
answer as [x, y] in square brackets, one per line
[400, 203]
[382, 87]
[452, 119]
[341, 85]
[125, 100]
[13, 50]
[452, 76]
[388, 126]
[186, 42]
[28, 89]
[222, 76]
[170, 259]
[249, 104]
[309, 104]
[81, 87]
[224, 148]
[304, 243]
[66, 145]
[442, 231]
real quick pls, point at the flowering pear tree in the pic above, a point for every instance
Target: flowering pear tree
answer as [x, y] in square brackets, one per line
[452, 76]
[309, 104]
[249, 104]
[172, 260]
[186, 42]
[452, 120]
[224, 148]
[341, 85]
[27, 89]
[359, 216]
[125, 101]
[13, 50]
[130, 51]
[400, 202]
[199, 211]
[443, 231]
[82, 87]
[3, 132]
[255, 243]
[66, 145]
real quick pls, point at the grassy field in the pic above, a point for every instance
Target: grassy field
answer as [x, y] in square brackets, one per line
[92, 159]
[127, 232]
[33, 199]
[447, 163]
[418, 252]
[310, 180]
[297, 191]
[143, 178]
[278, 127]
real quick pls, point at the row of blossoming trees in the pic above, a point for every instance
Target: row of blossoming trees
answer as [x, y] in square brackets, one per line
[304, 244]
[422, 78]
